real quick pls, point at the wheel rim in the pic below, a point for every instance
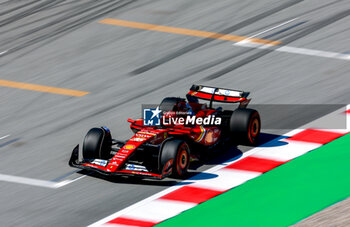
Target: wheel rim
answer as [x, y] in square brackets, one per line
[182, 162]
[254, 129]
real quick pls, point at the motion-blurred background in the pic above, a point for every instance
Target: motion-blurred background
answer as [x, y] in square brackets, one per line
[65, 68]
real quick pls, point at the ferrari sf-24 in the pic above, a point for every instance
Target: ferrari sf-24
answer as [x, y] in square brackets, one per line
[178, 131]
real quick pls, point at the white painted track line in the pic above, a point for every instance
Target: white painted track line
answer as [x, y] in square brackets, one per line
[3, 52]
[66, 182]
[28, 181]
[4, 137]
[289, 49]
[311, 52]
[295, 50]
[270, 29]
[36, 182]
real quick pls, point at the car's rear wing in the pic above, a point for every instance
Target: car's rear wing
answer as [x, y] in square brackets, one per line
[219, 94]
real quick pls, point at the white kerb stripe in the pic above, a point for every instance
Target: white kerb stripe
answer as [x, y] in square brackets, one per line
[158, 210]
[118, 225]
[285, 152]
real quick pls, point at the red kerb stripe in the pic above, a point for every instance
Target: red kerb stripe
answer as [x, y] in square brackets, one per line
[315, 136]
[255, 164]
[191, 194]
[128, 221]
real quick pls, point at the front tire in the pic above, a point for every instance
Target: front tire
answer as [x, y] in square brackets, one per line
[97, 144]
[177, 152]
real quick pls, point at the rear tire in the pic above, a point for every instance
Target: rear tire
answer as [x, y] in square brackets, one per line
[169, 104]
[245, 126]
[178, 152]
[225, 120]
[97, 144]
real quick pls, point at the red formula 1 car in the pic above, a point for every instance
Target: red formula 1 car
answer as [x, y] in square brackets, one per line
[177, 131]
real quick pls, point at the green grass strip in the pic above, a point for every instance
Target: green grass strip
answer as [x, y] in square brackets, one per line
[282, 196]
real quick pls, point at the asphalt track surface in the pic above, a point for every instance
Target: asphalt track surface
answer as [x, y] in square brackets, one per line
[60, 43]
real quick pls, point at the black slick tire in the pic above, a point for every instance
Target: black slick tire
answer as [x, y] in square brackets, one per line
[97, 144]
[177, 152]
[245, 126]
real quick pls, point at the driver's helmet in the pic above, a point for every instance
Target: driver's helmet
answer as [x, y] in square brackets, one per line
[184, 108]
[189, 109]
[181, 106]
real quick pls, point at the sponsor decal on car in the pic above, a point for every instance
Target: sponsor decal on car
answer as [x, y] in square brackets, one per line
[133, 167]
[146, 134]
[99, 162]
[129, 146]
[138, 139]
